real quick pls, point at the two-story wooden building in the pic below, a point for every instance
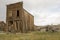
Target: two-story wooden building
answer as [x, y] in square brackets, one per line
[18, 19]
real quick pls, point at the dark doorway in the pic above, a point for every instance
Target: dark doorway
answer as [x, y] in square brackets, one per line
[10, 23]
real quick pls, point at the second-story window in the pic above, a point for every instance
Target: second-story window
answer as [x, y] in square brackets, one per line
[17, 13]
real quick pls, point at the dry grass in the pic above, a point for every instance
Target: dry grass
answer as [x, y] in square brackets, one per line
[31, 36]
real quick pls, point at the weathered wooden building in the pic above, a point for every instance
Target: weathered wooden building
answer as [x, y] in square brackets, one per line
[18, 19]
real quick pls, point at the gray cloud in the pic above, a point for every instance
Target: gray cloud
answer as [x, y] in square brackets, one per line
[44, 11]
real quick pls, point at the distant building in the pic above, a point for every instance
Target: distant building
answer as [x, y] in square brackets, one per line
[50, 28]
[18, 19]
[2, 26]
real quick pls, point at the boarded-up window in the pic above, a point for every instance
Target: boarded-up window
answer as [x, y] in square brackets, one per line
[10, 13]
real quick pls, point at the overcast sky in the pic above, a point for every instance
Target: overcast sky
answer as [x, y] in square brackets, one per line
[45, 11]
